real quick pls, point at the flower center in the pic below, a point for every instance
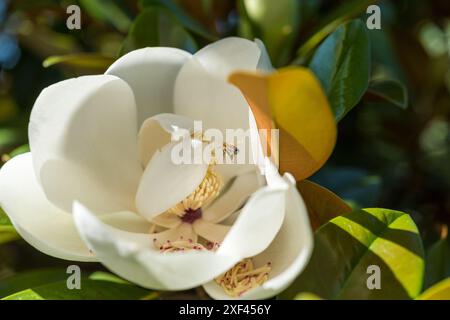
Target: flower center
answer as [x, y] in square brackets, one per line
[189, 209]
[191, 215]
[243, 277]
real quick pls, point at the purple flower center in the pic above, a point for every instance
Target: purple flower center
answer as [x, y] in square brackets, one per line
[190, 216]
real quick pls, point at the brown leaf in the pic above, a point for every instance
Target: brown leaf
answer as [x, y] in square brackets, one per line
[322, 204]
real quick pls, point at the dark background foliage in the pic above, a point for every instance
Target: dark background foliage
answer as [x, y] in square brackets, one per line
[386, 156]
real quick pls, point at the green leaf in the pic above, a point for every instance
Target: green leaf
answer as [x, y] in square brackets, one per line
[276, 23]
[348, 10]
[440, 291]
[438, 262]
[7, 231]
[34, 278]
[307, 296]
[81, 60]
[391, 91]
[342, 64]
[184, 19]
[346, 246]
[8, 234]
[157, 27]
[4, 220]
[107, 11]
[90, 290]
[106, 276]
[9, 137]
[20, 150]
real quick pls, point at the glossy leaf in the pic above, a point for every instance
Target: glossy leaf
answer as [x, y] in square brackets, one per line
[391, 91]
[7, 231]
[276, 23]
[19, 150]
[307, 296]
[107, 11]
[82, 60]
[183, 19]
[8, 234]
[322, 204]
[4, 220]
[440, 291]
[156, 27]
[438, 262]
[348, 10]
[292, 100]
[90, 290]
[346, 246]
[106, 276]
[33, 278]
[342, 64]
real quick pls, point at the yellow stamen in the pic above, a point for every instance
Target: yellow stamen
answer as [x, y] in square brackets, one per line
[243, 277]
[205, 193]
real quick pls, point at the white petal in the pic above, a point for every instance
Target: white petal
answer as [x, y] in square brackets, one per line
[228, 172]
[224, 56]
[202, 91]
[151, 73]
[127, 221]
[160, 130]
[210, 231]
[182, 232]
[258, 223]
[83, 137]
[264, 63]
[40, 223]
[166, 183]
[204, 97]
[273, 178]
[256, 150]
[133, 256]
[242, 187]
[289, 252]
[167, 220]
[231, 219]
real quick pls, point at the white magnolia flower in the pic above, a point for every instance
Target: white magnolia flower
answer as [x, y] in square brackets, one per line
[99, 183]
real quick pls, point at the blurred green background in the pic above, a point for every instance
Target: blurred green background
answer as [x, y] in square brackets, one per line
[387, 155]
